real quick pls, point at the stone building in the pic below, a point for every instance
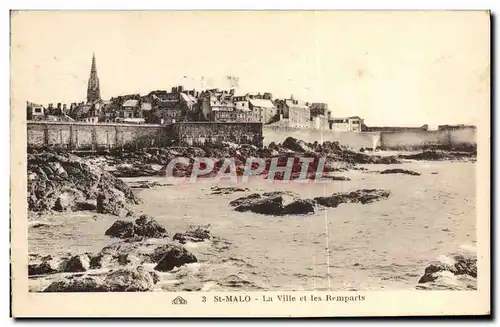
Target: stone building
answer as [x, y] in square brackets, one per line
[347, 124]
[170, 107]
[294, 113]
[320, 115]
[33, 110]
[264, 110]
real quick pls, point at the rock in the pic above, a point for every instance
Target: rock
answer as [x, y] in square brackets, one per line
[148, 227]
[144, 226]
[43, 268]
[137, 169]
[172, 256]
[299, 207]
[363, 196]
[241, 200]
[111, 201]
[296, 145]
[194, 234]
[68, 200]
[433, 155]
[446, 280]
[400, 171]
[120, 280]
[456, 265]
[60, 181]
[131, 251]
[76, 284]
[227, 190]
[129, 280]
[121, 229]
[272, 205]
[77, 263]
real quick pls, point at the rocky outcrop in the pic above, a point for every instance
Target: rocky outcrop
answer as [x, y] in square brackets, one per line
[363, 196]
[172, 256]
[194, 234]
[129, 252]
[437, 155]
[64, 182]
[299, 207]
[129, 280]
[137, 169]
[288, 203]
[458, 272]
[296, 145]
[144, 226]
[274, 203]
[400, 171]
[121, 229]
[120, 280]
[43, 268]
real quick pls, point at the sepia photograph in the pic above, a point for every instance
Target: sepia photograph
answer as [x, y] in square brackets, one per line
[267, 156]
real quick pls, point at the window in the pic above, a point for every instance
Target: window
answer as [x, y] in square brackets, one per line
[38, 110]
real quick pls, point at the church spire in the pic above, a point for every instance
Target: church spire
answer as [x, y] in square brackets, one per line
[93, 89]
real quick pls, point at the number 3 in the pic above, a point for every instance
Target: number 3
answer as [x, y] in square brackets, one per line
[203, 299]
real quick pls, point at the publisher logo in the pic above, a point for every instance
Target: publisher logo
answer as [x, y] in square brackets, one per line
[179, 300]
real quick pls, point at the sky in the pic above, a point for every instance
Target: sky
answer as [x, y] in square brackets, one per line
[390, 68]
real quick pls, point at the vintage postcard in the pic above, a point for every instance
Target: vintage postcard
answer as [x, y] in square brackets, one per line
[250, 163]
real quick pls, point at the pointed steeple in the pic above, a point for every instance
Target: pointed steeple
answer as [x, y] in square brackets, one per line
[93, 89]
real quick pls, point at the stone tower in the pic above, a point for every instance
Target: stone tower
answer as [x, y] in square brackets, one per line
[93, 90]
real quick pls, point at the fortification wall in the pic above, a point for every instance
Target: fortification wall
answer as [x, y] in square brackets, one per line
[196, 133]
[85, 136]
[354, 140]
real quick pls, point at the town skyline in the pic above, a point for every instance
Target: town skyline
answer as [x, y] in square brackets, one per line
[415, 80]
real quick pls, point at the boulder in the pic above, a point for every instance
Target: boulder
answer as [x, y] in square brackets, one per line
[194, 234]
[299, 207]
[131, 251]
[275, 203]
[120, 280]
[296, 145]
[129, 280]
[400, 171]
[242, 200]
[362, 196]
[111, 201]
[457, 265]
[446, 280]
[172, 256]
[76, 284]
[43, 268]
[144, 226]
[121, 229]
[271, 205]
[77, 263]
[148, 227]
